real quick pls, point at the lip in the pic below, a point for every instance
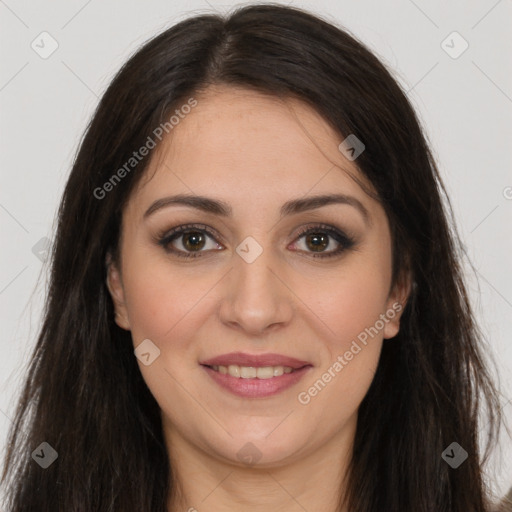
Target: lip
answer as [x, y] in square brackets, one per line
[257, 388]
[256, 360]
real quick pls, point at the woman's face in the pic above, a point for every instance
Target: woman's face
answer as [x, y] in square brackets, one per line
[254, 283]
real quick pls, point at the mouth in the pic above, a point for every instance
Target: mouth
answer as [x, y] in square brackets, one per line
[249, 376]
[243, 359]
[253, 372]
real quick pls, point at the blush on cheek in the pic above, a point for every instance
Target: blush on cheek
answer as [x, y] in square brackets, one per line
[349, 315]
[156, 303]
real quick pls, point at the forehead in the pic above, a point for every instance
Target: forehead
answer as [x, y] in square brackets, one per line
[245, 146]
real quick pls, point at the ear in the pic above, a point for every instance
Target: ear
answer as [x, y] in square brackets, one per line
[396, 304]
[115, 287]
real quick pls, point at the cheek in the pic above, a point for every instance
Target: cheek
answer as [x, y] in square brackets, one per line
[167, 307]
[351, 302]
[164, 303]
[352, 346]
[351, 307]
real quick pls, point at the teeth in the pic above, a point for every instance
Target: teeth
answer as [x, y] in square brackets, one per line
[251, 372]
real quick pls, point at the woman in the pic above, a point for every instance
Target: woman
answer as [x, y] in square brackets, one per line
[256, 300]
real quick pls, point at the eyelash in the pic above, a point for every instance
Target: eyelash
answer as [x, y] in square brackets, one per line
[166, 238]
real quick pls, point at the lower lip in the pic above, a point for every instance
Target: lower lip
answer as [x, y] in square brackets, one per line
[257, 388]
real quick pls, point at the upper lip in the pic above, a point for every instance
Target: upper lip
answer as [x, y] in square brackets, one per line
[255, 360]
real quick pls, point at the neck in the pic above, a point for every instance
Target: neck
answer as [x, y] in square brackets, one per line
[203, 481]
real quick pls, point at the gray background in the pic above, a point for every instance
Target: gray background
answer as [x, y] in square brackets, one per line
[464, 101]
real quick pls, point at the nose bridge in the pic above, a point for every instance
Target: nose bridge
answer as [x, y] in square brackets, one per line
[256, 298]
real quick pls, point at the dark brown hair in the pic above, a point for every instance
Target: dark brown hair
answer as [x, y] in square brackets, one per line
[84, 393]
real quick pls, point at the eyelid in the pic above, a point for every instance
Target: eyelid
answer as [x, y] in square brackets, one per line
[184, 228]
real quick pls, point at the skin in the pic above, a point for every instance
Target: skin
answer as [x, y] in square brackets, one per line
[255, 152]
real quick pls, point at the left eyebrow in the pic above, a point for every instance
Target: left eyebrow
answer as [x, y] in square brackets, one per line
[313, 202]
[221, 208]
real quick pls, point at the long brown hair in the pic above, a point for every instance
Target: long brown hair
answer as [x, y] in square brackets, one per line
[84, 394]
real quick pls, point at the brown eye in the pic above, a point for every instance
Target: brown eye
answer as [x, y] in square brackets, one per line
[193, 240]
[189, 241]
[317, 242]
[324, 240]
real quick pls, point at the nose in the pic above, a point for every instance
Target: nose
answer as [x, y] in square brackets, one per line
[256, 296]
